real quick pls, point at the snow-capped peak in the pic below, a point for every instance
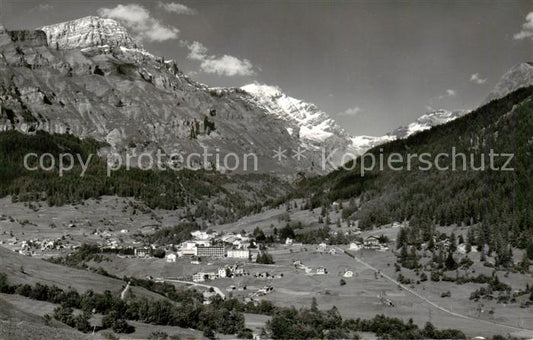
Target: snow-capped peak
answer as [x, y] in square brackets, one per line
[314, 125]
[262, 90]
[424, 122]
[427, 121]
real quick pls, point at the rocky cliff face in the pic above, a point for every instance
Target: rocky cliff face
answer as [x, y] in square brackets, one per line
[89, 77]
[28, 38]
[90, 31]
[104, 86]
[518, 76]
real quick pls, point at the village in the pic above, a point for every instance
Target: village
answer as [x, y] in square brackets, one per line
[217, 263]
[230, 264]
[269, 257]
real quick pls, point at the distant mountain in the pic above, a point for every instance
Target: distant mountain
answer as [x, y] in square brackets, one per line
[312, 126]
[424, 122]
[315, 127]
[520, 75]
[89, 77]
[364, 143]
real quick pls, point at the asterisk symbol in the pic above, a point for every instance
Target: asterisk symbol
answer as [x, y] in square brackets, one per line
[279, 154]
[298, 154]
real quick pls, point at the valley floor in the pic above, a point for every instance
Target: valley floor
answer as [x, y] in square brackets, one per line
[362, 296]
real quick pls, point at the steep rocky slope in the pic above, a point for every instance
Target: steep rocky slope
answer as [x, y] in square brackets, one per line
[89, 77]
[312, 126]
[89, 32]
[315, 128]
[132, 99]
[520, 75]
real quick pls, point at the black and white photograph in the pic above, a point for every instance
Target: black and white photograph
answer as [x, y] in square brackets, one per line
[266, 169]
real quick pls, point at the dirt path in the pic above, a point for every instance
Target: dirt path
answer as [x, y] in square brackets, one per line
[430, 302]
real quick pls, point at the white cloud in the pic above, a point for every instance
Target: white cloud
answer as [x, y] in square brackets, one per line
[476, 79]
[174, 7]
[447, 94]
[527, 28]
[351, 112]
[138, 20]
[226, 65]
[197, 51]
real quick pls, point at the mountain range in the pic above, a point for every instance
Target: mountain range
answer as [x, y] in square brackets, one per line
[89, 77]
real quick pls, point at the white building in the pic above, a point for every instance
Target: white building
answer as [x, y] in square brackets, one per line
[348, 273]
[355, 246]
[198, 277]
[239, 253]
[321, 271]
[288, 241]
[141, 252]
[222, 272]
[188, 248]
[203, 276]
[372, 242]
[189, 251]
[171, 258]
[321, 247]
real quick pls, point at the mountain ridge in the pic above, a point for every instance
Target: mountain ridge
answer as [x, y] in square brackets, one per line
[94, 80]
[422, 123]
[519, 75]
[90, 31]
[109, 94]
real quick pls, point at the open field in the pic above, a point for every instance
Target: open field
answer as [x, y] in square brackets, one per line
[360, 297]
[21, 318]
[112, 217]
[24, 269]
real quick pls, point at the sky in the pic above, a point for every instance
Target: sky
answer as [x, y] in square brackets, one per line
[371, 65]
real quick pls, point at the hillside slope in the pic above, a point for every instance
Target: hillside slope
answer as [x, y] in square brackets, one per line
[499, 200]
[22, 269]
[19, 324]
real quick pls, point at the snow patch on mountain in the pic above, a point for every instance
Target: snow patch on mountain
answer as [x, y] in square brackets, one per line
[316, 127]
[424, 122]
[364, 143]
[312, 125]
